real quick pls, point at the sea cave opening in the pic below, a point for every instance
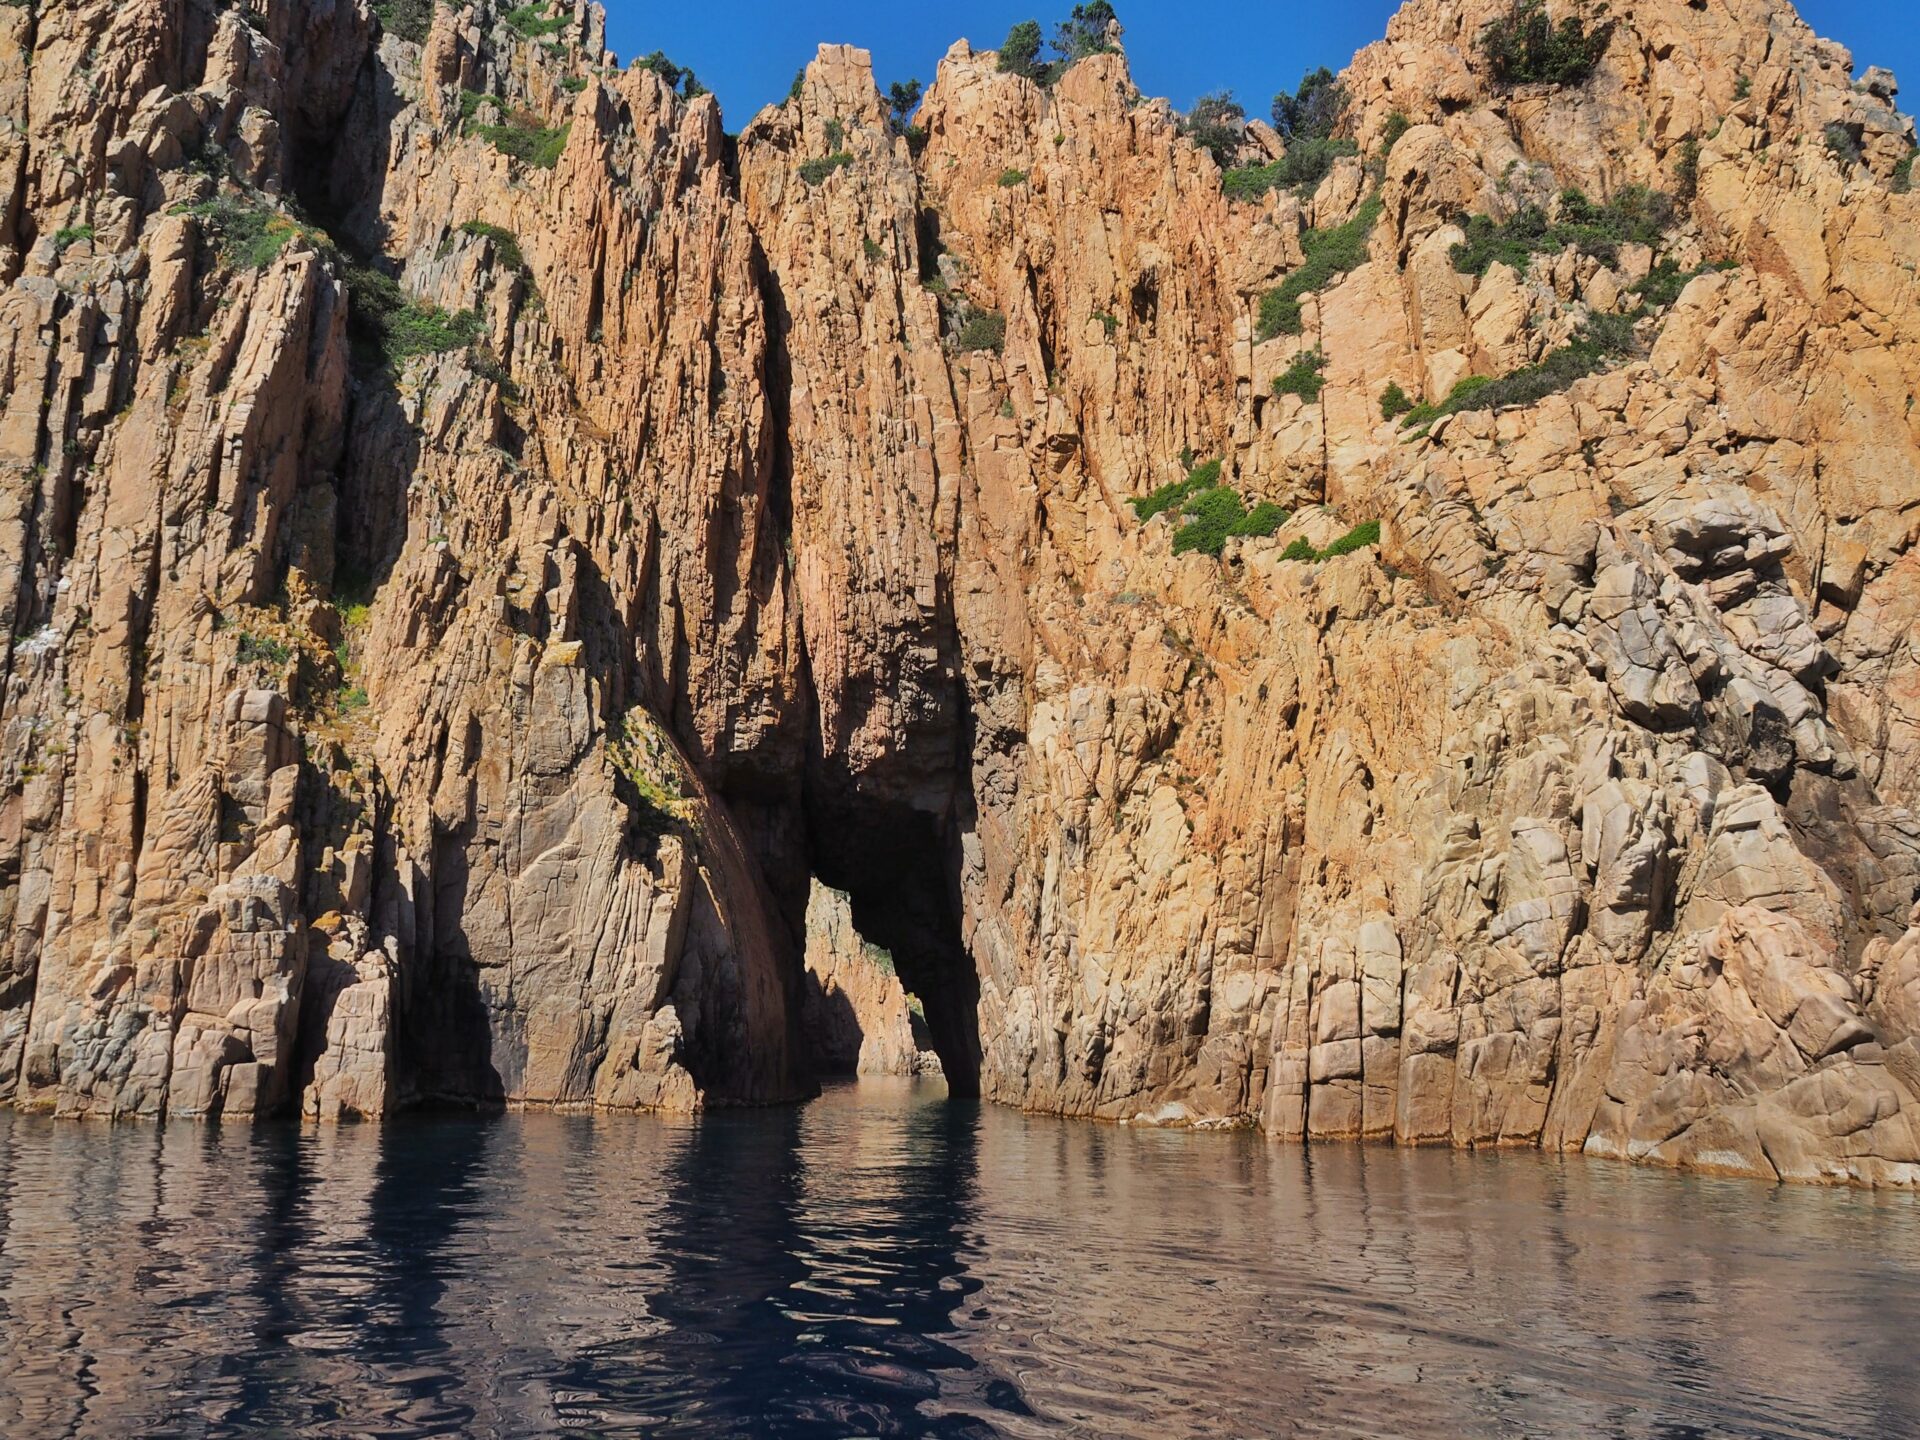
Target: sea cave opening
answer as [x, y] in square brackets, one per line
[899, 866]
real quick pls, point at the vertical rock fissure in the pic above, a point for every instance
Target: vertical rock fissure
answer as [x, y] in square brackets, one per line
[897, 856]
[900, 868]
[886, 784]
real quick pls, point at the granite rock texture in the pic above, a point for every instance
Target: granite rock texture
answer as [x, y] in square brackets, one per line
[857, 1017]
[479, 546]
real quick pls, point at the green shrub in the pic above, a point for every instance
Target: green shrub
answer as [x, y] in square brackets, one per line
[1394, 402]
[383, 317]
[1743, 87]
[1606, 336]
[1511, 242]
[210, 158]
[1461, 397]
[814, 171]
[262, 650]
[1217, 125]
[1397, 125]
[532, 22]
[676, 77]
[1262, 520]
[1010, 179]
[1844, 143]
[1213, 514]
[1313, 111]
[1020, 51]
[1279, 315]
[353, 699]
[421, 329]
[1176, 492]
[523, 140]
[1108, 323]
[1362, 536]
[901, 99]
[248, 236]
[1306, 163]
[1602, 339]
[1083, 33]
[574, 84]
[1903, 173]
[1525, 47]
[470, 103]
[408, 19]
[1636, 215]
[1217, 514]
[648, 761]
[1250, 182]
[799, 86]
[1686, 171]
[1662, 285]
[1305, 377]
[1329, 255]
[506, 245]
[67, 238]
[836, 134]
[983, 330]
[871, 248]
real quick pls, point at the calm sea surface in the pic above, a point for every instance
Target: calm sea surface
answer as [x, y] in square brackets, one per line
[882, 1262]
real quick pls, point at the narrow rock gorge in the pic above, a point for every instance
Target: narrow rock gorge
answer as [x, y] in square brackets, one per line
[482, 546]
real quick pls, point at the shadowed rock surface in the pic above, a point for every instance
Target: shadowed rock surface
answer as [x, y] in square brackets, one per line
[477, 543]
[857, 1018]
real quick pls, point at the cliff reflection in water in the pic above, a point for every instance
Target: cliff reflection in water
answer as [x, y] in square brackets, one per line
[885, 1263]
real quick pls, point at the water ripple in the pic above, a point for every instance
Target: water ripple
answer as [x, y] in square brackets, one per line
[882, 1263]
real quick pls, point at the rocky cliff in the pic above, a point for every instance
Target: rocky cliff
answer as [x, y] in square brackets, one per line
[479, 542]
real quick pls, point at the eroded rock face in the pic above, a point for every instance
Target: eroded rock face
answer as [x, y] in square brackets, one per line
[410, 704]
[361, 723]
[858, 1020]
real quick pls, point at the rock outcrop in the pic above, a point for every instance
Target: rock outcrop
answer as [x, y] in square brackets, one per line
[480, 546]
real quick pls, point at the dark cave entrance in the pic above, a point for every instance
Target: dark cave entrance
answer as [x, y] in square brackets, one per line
[900, 867]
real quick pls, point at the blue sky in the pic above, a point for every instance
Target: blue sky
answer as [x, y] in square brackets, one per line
[746, 51]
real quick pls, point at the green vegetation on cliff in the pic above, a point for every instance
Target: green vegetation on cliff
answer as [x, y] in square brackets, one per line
[1525, 47]
[1213, 512]
[1330, 254]
[1602, 339]
[385, 320]
[1081, 34]
[1305, 377]
[1218, 514]
[1636, 215]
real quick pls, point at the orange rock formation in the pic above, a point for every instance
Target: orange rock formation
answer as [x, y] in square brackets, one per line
[478, 541]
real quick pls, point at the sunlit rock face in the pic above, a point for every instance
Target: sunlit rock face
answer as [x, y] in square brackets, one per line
[482, 547]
